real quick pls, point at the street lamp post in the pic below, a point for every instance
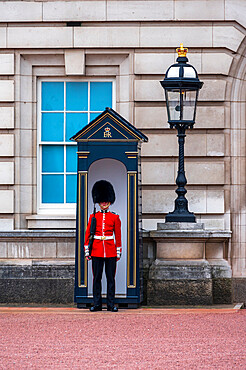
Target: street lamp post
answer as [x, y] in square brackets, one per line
[181, 85]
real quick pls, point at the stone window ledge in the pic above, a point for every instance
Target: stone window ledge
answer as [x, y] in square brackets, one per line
[36, 262]
[26, 234]
[52, 222]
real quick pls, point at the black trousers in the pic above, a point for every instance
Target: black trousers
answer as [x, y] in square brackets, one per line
[110, 270]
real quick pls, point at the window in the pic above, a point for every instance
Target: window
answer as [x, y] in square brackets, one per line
[65, 108]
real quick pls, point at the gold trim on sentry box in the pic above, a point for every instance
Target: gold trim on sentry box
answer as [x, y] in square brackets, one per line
[134, 175]
[80, 174]
[106, 124]
[106, 140]
[114, 119]
[83, 154]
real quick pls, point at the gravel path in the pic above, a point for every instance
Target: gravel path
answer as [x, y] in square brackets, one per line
[129, 339]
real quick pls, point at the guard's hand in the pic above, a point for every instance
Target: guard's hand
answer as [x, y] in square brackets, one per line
[87, 253]
[118, 253]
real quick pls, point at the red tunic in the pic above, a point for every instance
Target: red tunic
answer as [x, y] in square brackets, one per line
[108, 223]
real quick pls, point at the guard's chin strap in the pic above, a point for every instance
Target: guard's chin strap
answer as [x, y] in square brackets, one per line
[94, 209]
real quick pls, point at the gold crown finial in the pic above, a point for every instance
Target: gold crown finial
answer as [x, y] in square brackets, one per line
[182, 51]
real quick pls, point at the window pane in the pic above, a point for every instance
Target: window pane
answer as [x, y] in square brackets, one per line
[74, 123]
[52, 127]
[77, 96]
[52, 188]
[94, 115]
[52, 95]
[100, 95]
[52, 158]
[71, 160]
[71, 188]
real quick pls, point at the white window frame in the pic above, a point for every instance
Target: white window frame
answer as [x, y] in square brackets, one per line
[57, 208]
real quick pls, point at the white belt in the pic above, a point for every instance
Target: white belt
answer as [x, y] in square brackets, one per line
[103, 237]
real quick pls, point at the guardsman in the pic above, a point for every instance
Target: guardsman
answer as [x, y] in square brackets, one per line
[106, 247]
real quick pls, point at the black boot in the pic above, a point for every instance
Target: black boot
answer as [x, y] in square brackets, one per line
[112, 309]
[96, 308]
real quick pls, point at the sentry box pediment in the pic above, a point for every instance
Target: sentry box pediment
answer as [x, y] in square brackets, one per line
[109, 126]
[109, 149]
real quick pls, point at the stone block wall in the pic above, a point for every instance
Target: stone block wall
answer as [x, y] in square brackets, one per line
[134, 43]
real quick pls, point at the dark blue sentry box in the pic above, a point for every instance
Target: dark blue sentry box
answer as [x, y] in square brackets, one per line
[109, 149]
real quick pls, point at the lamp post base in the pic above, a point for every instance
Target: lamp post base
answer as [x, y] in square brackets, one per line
[180, 217]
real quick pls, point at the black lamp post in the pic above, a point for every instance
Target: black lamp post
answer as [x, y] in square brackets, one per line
[181, 85]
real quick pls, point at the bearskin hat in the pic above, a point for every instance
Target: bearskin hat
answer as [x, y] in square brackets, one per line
[103, 191]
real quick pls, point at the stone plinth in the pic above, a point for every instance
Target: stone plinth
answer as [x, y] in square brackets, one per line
[181, 273]
[36, 281]
[37, 267]
[180, 282]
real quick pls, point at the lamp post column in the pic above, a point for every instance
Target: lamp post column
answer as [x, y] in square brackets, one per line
[181, 212]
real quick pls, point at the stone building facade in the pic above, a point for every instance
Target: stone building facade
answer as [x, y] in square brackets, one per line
[129, 44]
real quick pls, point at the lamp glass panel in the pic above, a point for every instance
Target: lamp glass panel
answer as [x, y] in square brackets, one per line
[173, 104]
[173, 72]
[189, 72]
[189, 104]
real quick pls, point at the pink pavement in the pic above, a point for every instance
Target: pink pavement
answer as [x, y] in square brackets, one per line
[68, 338]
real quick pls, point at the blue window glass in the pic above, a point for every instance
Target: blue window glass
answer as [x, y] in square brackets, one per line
[71, 158]
[71, 188]
[52, 96]
[100, 95]
[52, 127]
[74, 123]
[94, 115]
[52, 188]
[52, 158]
[77, 96]
[61, 118]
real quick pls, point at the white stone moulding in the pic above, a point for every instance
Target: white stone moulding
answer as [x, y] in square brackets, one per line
[74, 62]
[127, 36]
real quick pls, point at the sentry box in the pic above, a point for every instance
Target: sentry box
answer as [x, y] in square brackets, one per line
[109, 149]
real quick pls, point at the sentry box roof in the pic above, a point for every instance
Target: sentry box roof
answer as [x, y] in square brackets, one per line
[109, 126]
